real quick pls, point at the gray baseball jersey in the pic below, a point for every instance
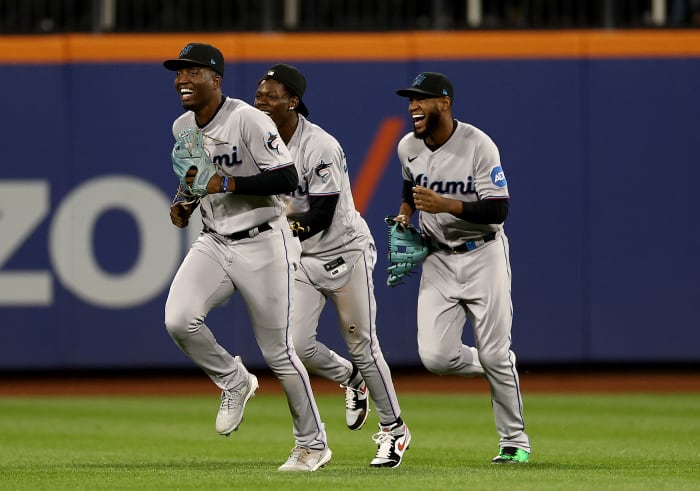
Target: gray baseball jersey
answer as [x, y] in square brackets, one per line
[471, 285]
[240, 142]
[337, 264]
[467, 168]
[243, 141]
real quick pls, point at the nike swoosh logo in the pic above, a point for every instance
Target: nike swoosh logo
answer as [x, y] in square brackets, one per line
[401, 445]
[411, 159]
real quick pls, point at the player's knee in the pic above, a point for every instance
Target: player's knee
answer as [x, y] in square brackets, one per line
[178, 322]
[305, 351]
[434, 362]
[492, 358]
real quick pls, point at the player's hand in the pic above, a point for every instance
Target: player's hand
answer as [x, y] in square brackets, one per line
[180, 214]
[429, 201]
[402, 219]
[213, 186]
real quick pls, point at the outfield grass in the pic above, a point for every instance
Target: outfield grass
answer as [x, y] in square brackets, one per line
[580, 442]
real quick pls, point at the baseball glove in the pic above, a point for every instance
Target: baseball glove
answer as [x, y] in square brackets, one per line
[407, 248]
[184, 196]
[189, 152]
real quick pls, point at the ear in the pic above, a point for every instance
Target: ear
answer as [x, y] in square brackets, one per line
[446, 103]
[293, 103]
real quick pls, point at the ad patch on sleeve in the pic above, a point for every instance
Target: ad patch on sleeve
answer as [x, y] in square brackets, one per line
[498, 178]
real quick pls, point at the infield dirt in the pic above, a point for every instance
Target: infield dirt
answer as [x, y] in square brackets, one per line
[413, 380]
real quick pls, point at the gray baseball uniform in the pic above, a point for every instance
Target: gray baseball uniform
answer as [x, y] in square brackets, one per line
[337, 264]
[471, 283]
[242, 141]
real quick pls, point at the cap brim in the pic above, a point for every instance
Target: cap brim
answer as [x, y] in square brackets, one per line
[180, 63]
[413, 91]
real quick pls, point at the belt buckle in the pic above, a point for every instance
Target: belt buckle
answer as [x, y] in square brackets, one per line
[253, 232]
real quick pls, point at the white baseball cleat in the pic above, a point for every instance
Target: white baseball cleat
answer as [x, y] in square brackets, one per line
[392, 443]
[232, 405]
[306, 460]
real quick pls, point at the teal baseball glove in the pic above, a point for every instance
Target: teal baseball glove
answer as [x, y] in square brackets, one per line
[407, 249]
[189, 152]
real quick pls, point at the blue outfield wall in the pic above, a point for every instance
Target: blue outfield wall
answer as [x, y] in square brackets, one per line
[600, 157]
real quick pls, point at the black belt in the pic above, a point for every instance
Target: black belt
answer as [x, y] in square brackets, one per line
[245, 234]
[469, 245]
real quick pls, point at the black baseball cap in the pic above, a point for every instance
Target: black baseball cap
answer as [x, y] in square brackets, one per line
[430, 84]
[292, 78]
[197, 54]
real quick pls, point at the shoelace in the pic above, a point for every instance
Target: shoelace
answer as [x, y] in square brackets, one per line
[231, 399]
[350, 396]
[298, 455]
[385, 440]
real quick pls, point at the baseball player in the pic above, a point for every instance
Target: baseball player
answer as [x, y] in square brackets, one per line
[453, 176]
[246, 245]
[337, 264]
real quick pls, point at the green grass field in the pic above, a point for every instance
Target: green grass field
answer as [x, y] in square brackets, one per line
[580, 442]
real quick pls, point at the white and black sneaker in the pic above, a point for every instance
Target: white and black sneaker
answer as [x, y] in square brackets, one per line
[356, 405]
[392, 443]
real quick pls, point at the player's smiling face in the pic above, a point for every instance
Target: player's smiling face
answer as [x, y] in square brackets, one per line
[196, 86]
[273, 99]
[425, 113]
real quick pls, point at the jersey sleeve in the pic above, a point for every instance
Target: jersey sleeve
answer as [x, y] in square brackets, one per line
[265, 145]
[402, 153]
[186, 119]
[325, 167]
[489, 178]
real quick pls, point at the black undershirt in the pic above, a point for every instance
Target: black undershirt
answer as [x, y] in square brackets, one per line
[319, 216]
[282, 180]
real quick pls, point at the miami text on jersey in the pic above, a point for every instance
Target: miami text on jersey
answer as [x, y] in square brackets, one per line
[225, 160]
[446, 187]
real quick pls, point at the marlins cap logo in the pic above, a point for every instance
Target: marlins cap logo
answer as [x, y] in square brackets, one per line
[419, 80]
[186, 50]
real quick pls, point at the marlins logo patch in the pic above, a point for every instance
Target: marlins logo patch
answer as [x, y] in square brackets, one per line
[498, 177]
[323, 171]
[272, 142]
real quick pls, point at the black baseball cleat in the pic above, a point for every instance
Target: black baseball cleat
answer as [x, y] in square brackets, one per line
[356, 405]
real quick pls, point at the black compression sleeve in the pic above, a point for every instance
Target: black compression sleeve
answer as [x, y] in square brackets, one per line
[282, 180]
[489, 211]
[319, 216]
[407, 194]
